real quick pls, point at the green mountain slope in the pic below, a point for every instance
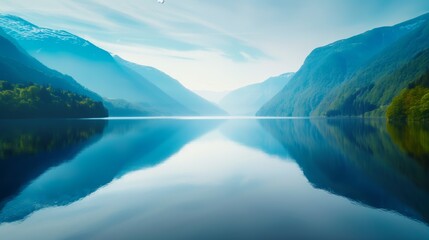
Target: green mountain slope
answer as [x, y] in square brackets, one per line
[249, 99]
[372, 89]
[412, 103]
[328, 68]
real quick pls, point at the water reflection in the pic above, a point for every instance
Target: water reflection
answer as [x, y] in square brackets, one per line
[124, 147]
[213, 183]
[29, 148]
[357, 159]
[251, 134]
[413, 138]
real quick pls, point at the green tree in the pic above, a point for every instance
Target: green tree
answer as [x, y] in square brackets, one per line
[36, 101]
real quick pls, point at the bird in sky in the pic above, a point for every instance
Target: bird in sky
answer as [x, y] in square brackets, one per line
[160, 1]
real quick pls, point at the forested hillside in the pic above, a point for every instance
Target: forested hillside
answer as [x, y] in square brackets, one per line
[36, 101]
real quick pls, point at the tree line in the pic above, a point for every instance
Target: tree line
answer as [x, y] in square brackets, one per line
[37, 101]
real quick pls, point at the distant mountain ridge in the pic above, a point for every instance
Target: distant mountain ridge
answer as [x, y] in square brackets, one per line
[212, 96]
[91, 66]
[173, 88]
[249, 99]
[333, 78]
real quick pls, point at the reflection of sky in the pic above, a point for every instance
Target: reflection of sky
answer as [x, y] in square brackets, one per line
[251, 40]
[216, 188]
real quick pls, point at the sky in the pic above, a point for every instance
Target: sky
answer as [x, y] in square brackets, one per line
[216, 45]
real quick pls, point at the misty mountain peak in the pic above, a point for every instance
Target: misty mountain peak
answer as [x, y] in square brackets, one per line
[19, 28]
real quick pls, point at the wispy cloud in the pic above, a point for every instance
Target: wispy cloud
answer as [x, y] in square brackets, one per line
[220, 44]
[170, 28]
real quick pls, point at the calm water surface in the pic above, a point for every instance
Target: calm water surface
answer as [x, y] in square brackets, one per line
[213, 179]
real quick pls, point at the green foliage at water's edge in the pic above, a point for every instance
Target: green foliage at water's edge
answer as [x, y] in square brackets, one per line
[412, 104]
[37, 101]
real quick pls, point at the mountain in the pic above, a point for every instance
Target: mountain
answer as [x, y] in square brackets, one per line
[344, 69]
[19, 67]
[249, 99]
[30, 89]
[373, 87]
[173, 88]
[91, 66]
[412, 103]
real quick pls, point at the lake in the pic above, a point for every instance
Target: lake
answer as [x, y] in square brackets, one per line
[213, 179]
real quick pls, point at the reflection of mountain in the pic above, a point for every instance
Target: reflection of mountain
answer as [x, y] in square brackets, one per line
[27, 149]
[358, 160]
[125, 146]
[250, 133]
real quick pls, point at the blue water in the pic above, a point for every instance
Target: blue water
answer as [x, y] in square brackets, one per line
[213, 179]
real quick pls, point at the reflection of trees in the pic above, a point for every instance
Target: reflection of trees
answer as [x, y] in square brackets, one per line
[358, 160]
[413, 138]
[24, 139]
[377, 147]
[28, 148]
